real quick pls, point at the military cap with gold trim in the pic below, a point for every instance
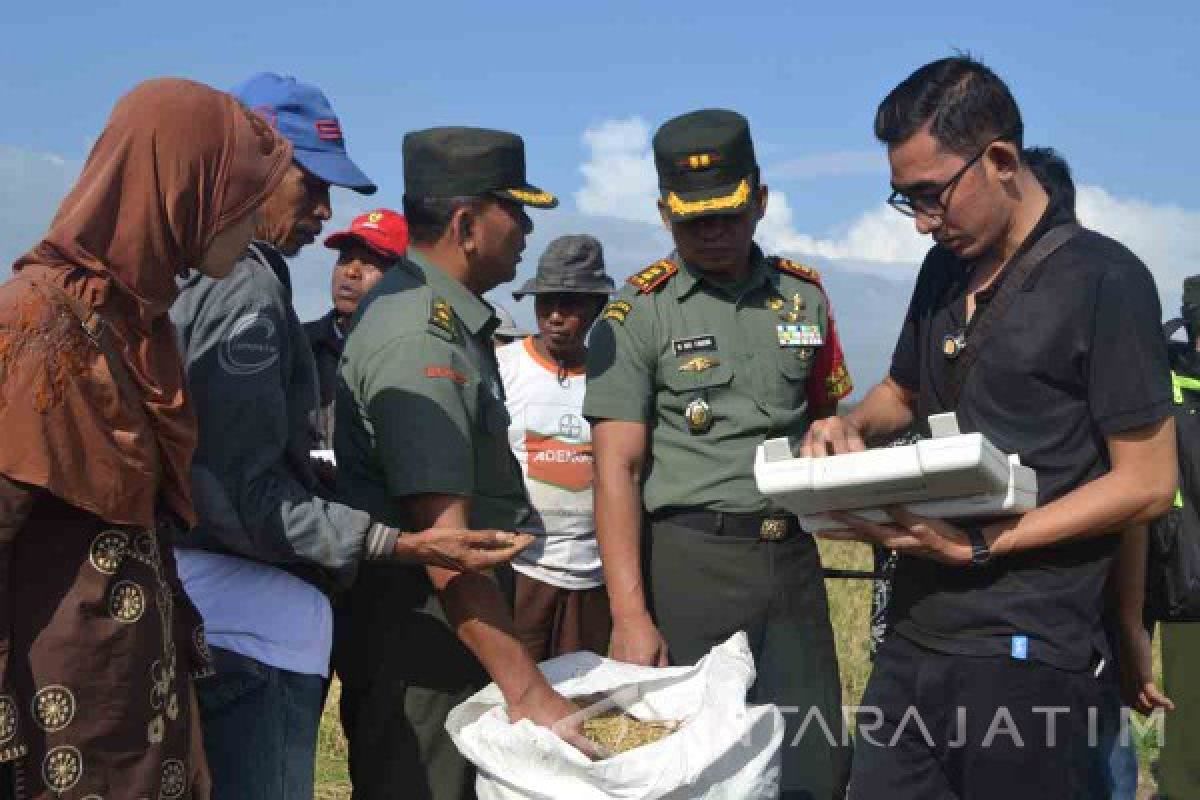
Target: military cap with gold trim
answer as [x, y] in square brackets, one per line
[469, 162]
[706, 164]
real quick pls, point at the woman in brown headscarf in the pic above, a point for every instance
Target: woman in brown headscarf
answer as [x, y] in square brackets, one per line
[98, 642]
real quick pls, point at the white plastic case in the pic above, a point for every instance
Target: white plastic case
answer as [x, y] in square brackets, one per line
[951, 475]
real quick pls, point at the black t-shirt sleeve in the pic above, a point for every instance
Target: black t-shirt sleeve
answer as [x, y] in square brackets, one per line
[1129, 380]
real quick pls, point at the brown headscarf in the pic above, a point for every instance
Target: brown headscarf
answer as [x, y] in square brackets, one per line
[178, 163]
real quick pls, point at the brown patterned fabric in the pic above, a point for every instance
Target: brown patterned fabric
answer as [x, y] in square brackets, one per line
[102, 645]
[177, 163]
[98, 641]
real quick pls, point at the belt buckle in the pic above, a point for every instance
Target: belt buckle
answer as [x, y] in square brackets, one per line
[773, 529]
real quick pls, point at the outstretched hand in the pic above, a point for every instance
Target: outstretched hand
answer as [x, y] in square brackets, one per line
[459, 549]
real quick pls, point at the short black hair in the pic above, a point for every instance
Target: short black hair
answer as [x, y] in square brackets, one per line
[1052, 172]
[965, 104]
[428, 217]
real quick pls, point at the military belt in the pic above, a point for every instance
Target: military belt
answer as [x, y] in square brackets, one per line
[766, 527]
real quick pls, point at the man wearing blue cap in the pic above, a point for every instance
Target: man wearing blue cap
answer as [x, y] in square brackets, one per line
[270, 544]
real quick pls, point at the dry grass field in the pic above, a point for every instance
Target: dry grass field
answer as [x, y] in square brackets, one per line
[850, 605]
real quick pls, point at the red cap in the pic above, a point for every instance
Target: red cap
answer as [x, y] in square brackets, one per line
[382, 230]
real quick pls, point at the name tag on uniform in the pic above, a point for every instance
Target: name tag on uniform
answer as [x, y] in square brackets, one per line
[799, 335]
[696, 344]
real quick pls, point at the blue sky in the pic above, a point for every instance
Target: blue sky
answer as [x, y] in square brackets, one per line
[1113, 86]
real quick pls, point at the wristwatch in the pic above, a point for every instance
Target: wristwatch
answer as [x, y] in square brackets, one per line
[981, 554]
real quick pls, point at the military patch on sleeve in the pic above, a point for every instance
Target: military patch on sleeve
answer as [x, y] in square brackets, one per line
[444, 371]
[799, 270]
[838, 384]
[653, 276]
[441, 319]
[617, 311]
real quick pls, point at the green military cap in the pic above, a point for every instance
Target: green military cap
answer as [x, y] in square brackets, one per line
[705, 162]
[469, 162]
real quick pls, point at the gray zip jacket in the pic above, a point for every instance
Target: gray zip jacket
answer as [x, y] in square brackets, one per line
[254, 385]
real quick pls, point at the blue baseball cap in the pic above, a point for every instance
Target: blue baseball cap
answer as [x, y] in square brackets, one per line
[303, 115]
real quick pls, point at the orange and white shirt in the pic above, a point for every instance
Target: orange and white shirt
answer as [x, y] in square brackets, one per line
[553, 443]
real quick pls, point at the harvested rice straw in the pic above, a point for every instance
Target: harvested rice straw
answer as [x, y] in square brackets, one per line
[617, 732]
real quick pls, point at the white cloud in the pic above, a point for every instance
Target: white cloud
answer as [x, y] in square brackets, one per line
[880, 235]
[620, 183]
[1166, 237]
[619, 178]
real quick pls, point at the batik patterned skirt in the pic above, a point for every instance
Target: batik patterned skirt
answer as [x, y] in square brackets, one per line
[95, 694]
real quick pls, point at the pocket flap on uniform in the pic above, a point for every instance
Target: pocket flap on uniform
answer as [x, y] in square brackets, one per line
[796, 362]
[690, 372]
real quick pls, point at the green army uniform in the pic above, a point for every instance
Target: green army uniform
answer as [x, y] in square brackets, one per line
[420, 410]
[713, 371]
[1178, 767]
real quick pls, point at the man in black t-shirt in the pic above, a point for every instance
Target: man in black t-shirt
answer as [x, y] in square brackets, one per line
[985, 689]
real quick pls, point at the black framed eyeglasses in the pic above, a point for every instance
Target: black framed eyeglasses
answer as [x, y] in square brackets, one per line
[933, 201]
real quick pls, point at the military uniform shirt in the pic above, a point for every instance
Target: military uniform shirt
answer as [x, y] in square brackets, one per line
[420, 406]
[760, 355]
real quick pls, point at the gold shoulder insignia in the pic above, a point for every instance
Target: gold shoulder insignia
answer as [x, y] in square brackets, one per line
[799, 270]
[617, 311]
[653, 276]
[838, 384]
[441, 317]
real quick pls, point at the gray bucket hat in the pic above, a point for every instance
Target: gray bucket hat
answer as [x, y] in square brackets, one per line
[571, 264]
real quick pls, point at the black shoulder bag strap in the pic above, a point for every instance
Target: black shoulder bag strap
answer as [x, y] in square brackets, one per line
[1012, 283]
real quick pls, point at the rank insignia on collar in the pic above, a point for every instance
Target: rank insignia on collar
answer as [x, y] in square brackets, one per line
[699, 364]
[775, 303]
[441, 316]
[617, 311]
[653, 276]
[799, 270]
